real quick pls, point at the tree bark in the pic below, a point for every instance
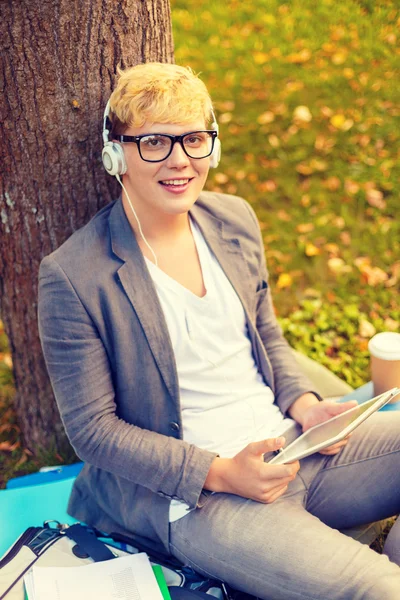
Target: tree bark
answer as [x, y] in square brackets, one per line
[59, 62]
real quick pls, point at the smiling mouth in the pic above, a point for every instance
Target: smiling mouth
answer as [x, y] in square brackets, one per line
[175, 182]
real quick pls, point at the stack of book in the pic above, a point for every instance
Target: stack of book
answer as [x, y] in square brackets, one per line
[129, 577]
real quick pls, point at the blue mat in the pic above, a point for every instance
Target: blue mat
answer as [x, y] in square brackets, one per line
[25, 507]
[46, 475]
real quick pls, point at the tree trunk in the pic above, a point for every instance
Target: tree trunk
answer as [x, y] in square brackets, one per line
[58, 66]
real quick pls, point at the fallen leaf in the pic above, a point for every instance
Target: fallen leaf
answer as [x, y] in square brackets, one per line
[339, 121]
[8, 426]
[339, 222]
[274, 140]
[266, 117]
[260, 57]
[345, 238]
[337, 33]
[285, 280]
[324, 143]
[304, 169]
[366, 329]
[240, 175]
[391, 38]
[302, 114]
[337, 265]
[362, 345]
[332, 249]
[312, 293]
[299, 57]
[225, 117]
[332, 183]
[351, 186]
[318, 165]
[267, 186]
[294, 86]
[339, 57]
[7, 360]
[305, 227]
[326, 112]
[283, 215]
[8, 446]
[311, 250]
[228, 105]
[391, 324]
[362, 261]
[375, 276]
[348, 73]
[221, 178]
[375, 198]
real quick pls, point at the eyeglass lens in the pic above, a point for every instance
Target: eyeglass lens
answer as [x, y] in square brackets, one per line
[197, 144]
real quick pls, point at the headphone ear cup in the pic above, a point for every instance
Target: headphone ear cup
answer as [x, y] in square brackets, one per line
[113, 159]
[216, 154]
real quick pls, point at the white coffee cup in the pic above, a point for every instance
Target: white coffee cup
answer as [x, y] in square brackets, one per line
[384, 349]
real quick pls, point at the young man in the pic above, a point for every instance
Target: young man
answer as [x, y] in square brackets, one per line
[173, 379]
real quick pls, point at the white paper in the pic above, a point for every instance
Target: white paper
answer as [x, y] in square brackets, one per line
[124, 578]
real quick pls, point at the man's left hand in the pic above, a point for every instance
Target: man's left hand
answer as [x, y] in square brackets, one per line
[321, 412]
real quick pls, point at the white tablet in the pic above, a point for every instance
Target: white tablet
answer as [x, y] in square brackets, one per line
[335, 429]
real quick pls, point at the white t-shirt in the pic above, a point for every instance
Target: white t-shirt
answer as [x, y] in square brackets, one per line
[225, 402]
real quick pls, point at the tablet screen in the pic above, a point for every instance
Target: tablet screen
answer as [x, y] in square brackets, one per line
[317, 437]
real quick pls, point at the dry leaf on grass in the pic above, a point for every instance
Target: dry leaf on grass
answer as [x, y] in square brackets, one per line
[10, 445]
[285, 280]
[366, 329]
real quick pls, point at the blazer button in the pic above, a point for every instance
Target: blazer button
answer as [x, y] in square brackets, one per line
[174, 426]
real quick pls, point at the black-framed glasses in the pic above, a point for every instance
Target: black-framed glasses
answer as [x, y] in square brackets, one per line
[155, 147]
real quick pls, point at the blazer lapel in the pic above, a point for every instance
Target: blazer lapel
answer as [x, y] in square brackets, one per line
[227, 249]
[138, 286]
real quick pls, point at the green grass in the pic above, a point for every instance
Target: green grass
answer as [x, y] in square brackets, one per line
[326, 190]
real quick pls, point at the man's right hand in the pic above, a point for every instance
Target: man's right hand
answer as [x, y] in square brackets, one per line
[247, 475]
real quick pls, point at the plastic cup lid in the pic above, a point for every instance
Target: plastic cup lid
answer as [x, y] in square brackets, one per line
[385, 345]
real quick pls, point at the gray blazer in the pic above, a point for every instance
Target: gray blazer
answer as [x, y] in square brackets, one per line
[112, 366]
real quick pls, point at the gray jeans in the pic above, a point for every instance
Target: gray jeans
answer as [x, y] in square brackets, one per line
[292, 549]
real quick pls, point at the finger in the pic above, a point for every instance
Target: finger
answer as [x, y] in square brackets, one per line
[274, 495]
[334, 449]
[280, 471]
[336, 446]
[264, 446]
[272, 484]
[336, 408]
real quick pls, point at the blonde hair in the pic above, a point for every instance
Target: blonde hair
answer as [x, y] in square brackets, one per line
[158, 93]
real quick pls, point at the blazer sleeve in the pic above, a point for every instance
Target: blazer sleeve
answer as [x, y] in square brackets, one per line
[80, 374]
[290, 382]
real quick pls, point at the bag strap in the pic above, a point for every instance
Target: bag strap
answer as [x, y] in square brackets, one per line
[87, 541]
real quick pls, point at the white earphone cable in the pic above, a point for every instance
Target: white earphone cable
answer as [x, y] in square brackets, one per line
[138, 222]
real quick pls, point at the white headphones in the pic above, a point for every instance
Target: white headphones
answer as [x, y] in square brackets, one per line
[113, 154]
